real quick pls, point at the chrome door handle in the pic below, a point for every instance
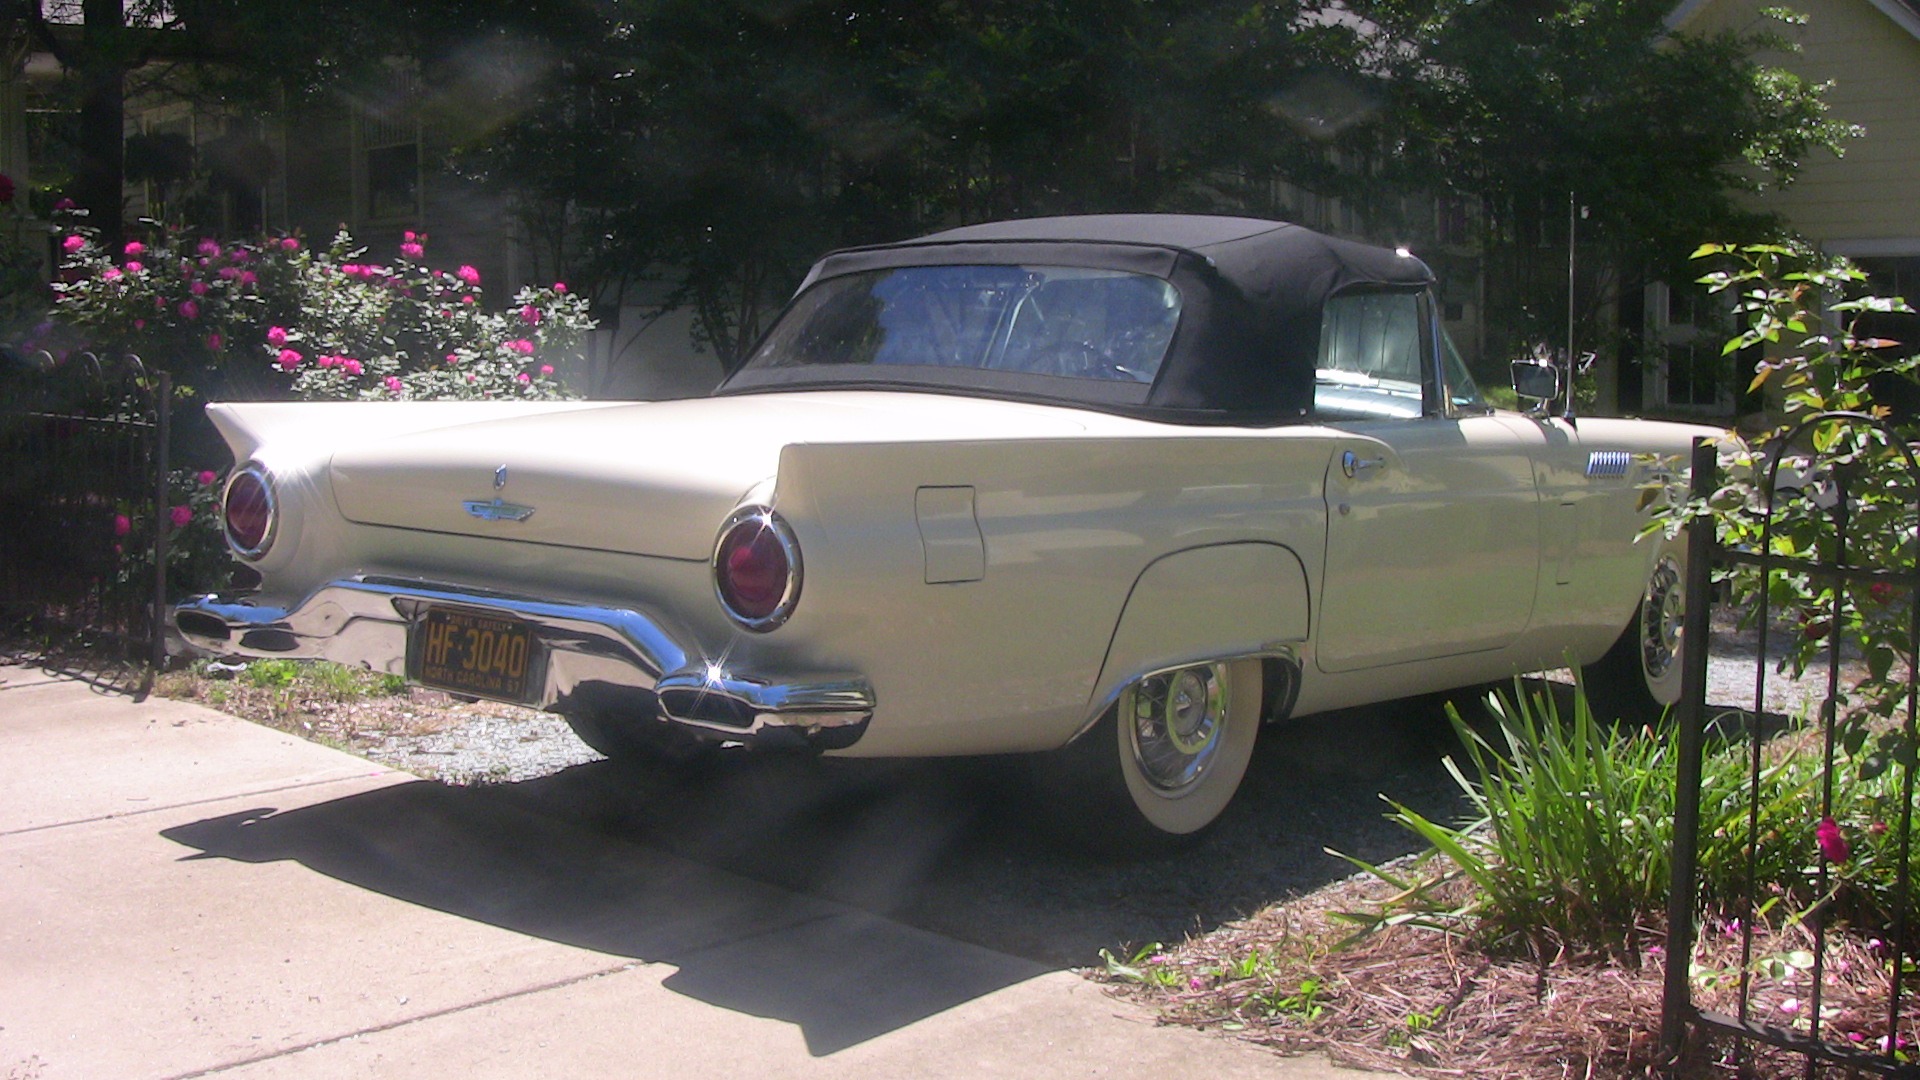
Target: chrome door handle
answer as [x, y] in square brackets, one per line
[1352, 464]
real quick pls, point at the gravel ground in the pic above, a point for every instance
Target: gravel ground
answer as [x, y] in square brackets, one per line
[503, 746]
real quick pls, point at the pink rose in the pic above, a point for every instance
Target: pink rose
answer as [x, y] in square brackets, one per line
[453, 358]
[208, 248]
[466, 299]
[288, 243]
[139, 324]
[198, 288]
[110, 274]
[135, 247]
[523, 377]
[392, 384]
[521, 346]
[207, 477]
[121, 526]
[214, 341]
[64, 203]
[248, 277]
[468, 274]
[530, 315]
[277, 336]
[412, 250]
[351, 366]
[73, 243]
[180, 516]
[560, 287]
[229, 273]
[189, 310]
[288, 359]
[546, 369]
[134, 267]
[1832, 844]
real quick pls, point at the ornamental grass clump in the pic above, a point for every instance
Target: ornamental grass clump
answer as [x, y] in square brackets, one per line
[1565, 849]
[1567, 843]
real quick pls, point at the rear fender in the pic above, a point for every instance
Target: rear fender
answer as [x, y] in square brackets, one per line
[1218, 602]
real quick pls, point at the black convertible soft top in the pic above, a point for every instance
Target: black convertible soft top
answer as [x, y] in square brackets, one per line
[1249, 330]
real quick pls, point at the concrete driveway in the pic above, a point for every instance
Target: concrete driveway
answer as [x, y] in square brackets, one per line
[185, 894]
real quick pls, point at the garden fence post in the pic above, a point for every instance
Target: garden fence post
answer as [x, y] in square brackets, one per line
[162, 517]
[1689, 734]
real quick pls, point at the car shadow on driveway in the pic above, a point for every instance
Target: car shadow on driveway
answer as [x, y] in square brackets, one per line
[849, 898]
[841, 975]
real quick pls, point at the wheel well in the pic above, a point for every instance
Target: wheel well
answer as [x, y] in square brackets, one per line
[1279, 687]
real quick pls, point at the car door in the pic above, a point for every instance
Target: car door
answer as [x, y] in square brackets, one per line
[1433, 533]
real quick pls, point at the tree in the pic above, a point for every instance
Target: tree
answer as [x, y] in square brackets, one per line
[1520, 105]
[719, 146]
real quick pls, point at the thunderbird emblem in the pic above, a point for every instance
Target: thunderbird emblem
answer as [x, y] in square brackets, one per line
[496, 509]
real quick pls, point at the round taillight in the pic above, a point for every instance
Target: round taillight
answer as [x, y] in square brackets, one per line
[756, 568]
[249, 512]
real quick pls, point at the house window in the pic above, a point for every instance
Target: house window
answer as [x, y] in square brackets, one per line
[1687, 330]
[388, 138]
[393, 182]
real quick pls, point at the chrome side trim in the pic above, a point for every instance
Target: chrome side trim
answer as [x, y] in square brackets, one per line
[495, 510]
[1287, 651]
[601, 656]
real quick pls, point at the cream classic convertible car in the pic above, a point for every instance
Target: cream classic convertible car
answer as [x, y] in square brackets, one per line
[1110, 489]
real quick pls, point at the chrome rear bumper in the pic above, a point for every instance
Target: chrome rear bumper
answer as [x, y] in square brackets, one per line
[616, 660]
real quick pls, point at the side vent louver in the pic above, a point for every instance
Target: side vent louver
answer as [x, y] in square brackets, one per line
[1608, 463]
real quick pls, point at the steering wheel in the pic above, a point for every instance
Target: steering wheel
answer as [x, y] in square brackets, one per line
[1084, 360]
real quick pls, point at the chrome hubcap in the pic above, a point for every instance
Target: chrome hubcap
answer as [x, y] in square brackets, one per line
[1661, 616]
[1175, 722]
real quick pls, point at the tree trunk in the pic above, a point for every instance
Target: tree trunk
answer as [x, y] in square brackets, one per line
[102, 72]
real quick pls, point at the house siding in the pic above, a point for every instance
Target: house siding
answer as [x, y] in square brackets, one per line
[1870, 197]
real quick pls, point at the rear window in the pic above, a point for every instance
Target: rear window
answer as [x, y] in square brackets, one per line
[1071, 322]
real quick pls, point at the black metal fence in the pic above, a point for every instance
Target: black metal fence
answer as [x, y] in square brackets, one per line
[84, 514]
[1796, 933]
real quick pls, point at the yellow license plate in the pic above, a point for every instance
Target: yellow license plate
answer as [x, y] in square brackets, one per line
[476, 653]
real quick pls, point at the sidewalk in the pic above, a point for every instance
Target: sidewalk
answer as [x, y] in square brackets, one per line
[184, 894]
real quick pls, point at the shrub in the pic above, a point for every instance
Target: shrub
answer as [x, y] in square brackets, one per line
[274, 317]
[1819, 365]
[197, 557]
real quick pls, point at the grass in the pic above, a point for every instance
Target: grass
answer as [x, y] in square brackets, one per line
[332, 703]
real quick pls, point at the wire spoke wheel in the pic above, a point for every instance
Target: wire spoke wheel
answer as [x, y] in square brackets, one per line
[1176, 722]
[1662, 614]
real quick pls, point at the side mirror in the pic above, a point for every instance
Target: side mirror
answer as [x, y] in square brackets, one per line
[1541, 382]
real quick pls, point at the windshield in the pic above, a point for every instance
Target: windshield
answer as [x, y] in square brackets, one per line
[1071, 322]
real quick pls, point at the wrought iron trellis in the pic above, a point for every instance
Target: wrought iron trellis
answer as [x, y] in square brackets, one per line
[78, 440]
[1679, 1012]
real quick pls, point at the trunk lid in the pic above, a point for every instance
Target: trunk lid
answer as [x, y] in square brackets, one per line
[649, 478]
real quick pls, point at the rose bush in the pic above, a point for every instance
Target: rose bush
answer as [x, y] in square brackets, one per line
[1812, 315]
[274, 317]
